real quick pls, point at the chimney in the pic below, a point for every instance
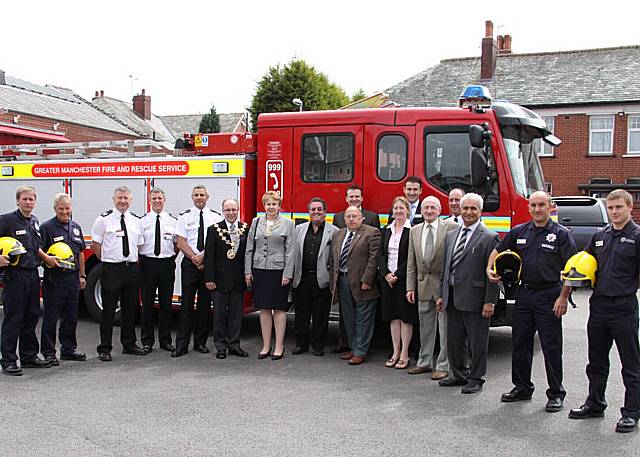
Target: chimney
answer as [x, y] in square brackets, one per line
[142, 105]
[506, 47]
[489, 53]
[3, 79]
[96, 95]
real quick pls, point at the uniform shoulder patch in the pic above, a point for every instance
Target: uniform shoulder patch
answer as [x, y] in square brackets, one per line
[186, 211]
[135, 215]
[175, 217]
[106, 213]
[214, 212]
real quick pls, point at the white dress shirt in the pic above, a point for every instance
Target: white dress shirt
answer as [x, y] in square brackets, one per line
[413, 207]
[189, 221]
[472, 229]
[108, 233]
[434, 228]
[394, 245]
[167, 234]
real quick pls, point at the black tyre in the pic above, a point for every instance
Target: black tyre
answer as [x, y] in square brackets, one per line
[93, 297]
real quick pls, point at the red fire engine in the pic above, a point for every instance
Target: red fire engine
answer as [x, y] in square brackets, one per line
[483, 147]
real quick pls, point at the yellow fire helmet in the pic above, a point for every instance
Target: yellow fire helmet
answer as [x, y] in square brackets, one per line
[580, 270]
[508, 265]
[12, 248]
[64, 254]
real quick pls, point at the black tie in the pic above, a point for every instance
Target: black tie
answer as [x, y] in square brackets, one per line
[457, 254]
[156, 248]
[125, 237]
[344, 254]
[200, 244]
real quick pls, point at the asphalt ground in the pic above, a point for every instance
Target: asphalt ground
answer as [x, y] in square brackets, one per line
[301, 405]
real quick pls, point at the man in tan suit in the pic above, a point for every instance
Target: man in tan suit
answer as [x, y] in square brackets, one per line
[424, 268]
[353, 264]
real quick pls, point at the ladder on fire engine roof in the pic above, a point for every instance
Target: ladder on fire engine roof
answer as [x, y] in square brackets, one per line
[94, 149]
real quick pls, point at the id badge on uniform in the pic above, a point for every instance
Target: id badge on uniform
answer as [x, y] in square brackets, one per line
[58, 238]
[168, 236]
[21, 232]
[599, 243]
[120, 233]
[521, 241]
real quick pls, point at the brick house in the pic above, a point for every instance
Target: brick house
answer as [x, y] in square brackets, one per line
[589, 98]
[31, 113]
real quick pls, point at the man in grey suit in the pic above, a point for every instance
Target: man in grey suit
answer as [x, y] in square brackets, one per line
[468, 296]
[424, 271]
[353, 268]
[312, 298]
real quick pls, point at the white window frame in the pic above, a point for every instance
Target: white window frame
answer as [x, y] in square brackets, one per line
[592, 131]
[631, 130]
[547, 150]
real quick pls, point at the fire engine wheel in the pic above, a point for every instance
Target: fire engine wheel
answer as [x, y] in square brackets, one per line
[93, 295]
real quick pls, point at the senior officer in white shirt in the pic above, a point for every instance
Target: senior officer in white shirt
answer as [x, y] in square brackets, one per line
[191, 232]
[116, 236]
[157, 271]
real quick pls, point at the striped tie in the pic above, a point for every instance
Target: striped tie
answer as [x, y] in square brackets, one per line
[344, 254]
[457, 254]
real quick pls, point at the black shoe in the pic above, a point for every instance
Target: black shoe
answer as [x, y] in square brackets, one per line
[516, 394]
[53, 360]
[278, 356]
[134, 350]
[221, 355]
[318, 352]
[340, 349]
[104, 356]
[202, 349]
[238, 352]
[168, 347]
[75, 356]
[585, 412]
[553, 405]
[12, 370]
[179, 352]
[35, 363]
[264, 355]
[300, 350]
[147, 349]
[472, 388]
[452, 382]
[626, 424]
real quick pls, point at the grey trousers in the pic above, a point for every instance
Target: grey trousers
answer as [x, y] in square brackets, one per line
[430, 321]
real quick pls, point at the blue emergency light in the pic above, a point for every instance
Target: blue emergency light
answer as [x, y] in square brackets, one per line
[475, 95]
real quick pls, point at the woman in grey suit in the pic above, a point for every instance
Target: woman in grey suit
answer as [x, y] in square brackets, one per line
[269, 269]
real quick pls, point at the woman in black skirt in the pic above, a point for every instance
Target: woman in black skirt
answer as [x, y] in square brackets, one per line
[269, 269]
[393, 270]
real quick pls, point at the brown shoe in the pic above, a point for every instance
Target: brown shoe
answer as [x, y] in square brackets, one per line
[437, 375]
[419, 370]
[346, 356]
[356, 360]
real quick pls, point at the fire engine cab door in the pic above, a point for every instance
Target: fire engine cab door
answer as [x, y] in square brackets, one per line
[326, 160]
[388, 163]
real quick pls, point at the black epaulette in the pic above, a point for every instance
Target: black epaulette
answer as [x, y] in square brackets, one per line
[186, 211]
[175, 217]
[106, 213]
[135, 215]
[215, 212]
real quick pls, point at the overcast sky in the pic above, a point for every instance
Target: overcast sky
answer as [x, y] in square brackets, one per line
[189, 54]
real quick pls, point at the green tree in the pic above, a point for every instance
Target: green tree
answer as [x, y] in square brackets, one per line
[210, 122]
[358, 95]
[280, 85]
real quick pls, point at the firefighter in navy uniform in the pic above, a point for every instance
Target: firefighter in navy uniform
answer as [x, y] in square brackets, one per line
[613, 312]
[22, 286]
[191, 231]
[544, 247]
[61, 286]
[116, 236]
[157, 271]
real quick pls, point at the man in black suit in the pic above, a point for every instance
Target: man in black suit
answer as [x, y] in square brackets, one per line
[468, 296]
[224, 276]
[353, 197]
[412, 190]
